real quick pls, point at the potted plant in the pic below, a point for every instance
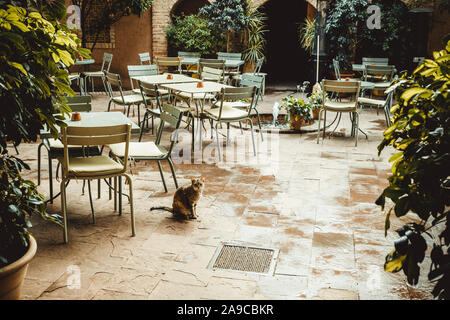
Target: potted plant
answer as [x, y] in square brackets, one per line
[420, 180]
[254, 40]
[316, 101]
[307, 34]
[298, 112]
[35, 53]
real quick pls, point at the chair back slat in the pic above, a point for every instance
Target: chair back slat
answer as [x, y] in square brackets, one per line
[144, 57]
[95, 136]
[211, 74]
[337, 69]
[80, 103]
[113, 80]
[377, 61]
[380, 70]
[341, 86]
[106, 63]
[229, 55]
[186, 54]
[249, 80]
[258, 65]
[148, 89]
[168, 62]
[171, 115]
[218, 64]
[141, 70]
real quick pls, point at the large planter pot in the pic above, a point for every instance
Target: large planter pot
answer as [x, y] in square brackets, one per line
[12, 276]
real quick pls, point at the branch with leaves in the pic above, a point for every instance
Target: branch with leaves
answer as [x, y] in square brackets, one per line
[420, 180]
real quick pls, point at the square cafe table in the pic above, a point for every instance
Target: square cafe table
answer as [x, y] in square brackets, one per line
[191, 88]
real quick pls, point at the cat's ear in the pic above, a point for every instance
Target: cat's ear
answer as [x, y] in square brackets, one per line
[203, 179]
[192, 179]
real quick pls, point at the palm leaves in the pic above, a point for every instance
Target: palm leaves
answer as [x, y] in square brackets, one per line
[307, 34]
[254, 33]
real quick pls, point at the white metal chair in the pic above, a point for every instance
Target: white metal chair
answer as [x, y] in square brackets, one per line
[106, 65]
[94, 167]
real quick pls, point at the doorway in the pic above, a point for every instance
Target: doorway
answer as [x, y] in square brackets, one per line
[287, 63]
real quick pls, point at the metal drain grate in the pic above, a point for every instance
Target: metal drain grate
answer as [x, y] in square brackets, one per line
[244, 258]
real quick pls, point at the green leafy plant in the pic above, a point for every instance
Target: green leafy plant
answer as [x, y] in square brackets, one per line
[19, 199]
[35, 53]
[227, 16]
[296, 108]
[316, 99]
[349, 38]
[420, 180]
[307, 34]
[193, 34]
[255, 41]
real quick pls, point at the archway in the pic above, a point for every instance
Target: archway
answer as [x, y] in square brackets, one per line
[286, 60]
[188, 7]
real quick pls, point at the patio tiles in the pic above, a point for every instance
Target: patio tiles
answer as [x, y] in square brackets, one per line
[313, 202]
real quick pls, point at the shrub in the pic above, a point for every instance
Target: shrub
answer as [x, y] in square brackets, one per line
[193, 34]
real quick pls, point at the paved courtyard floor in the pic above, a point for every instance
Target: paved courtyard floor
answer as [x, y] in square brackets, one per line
[313, 202]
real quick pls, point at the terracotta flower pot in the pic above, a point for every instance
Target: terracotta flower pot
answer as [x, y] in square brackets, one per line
[296, 122]
[315, 113]
[12, 276]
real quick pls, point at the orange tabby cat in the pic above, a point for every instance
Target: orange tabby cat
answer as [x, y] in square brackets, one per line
[184, 205]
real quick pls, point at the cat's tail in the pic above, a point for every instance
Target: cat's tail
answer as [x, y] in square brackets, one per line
[162, 208]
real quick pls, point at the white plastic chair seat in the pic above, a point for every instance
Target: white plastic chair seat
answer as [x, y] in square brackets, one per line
[94, 74]
[138, 150]
[227, 113]
[93, 166]
[129, 99]
[369, 101]
[340, 106]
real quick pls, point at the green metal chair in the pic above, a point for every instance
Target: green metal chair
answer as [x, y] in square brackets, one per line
[106, 65]
[249, 80]
[226, 114]
[113, 80]
[55, 147]
[154, 150]
[352, 88]
[194, 55]
[144, 58]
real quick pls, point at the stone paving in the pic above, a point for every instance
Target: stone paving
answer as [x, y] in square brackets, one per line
[313, 202]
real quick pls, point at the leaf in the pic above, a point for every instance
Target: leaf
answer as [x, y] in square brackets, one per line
[402, 206]
[394, 262]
